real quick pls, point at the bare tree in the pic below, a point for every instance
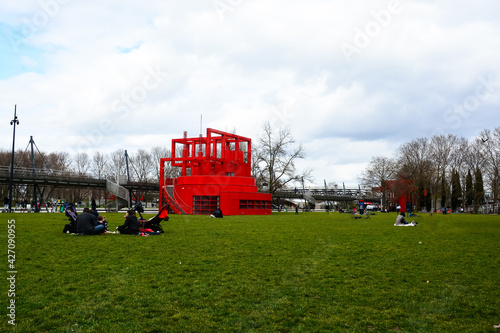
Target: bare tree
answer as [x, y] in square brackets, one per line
[257, 171]
[81, 163]
[99, 165]
[379, 174]
[416, 173]
[118, 165]
[276, 156]
[474, 156]
[458, 164]
[142, 165]
[99, 169]
[491, 151]
[457, 157]
[59, 161]
[443, 153]
[158, 153]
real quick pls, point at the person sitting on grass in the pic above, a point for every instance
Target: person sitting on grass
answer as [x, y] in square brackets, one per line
[131, 225]
[101, 220]
[400, 220]
[86, 224]
[217, 213]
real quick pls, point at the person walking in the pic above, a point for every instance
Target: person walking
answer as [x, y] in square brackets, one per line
[408, 209]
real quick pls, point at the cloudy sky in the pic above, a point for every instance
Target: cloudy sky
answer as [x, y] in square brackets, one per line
[351, 79]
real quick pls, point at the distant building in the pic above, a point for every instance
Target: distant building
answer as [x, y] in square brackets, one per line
[216, 172]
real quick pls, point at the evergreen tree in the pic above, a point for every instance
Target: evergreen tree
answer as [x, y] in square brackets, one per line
[456, 189]
[478, 190]
[421, 192]
[443, 191]
[495, 184]
[469, 190]
[428, 201]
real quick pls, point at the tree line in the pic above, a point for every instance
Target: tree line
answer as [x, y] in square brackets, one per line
[441, 171]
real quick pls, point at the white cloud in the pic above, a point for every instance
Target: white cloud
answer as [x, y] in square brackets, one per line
[82, 76]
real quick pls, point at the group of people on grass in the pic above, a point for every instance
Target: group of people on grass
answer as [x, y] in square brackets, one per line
[89, 222]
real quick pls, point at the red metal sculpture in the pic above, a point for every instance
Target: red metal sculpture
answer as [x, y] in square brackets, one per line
[216, 172]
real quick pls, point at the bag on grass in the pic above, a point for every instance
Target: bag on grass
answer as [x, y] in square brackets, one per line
[70, 228]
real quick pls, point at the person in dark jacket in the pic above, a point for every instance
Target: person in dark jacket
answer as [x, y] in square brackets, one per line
[93, 205]
[86, 224]
[217, 213]
[408, 209]
[131, 225]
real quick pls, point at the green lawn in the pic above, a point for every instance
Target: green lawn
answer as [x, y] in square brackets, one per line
[312, 272]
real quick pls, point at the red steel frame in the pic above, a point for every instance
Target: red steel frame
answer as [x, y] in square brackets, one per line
[216, 170]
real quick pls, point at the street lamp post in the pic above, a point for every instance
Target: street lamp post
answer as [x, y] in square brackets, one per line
[11, 181]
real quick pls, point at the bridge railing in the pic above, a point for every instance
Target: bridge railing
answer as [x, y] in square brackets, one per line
[28, 172]
[329, 192]
[117, 190]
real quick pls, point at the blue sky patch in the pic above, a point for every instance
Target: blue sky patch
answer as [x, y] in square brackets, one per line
[17, 56]
[128, 49]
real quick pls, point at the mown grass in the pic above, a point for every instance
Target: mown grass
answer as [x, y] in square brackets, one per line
[312, 272]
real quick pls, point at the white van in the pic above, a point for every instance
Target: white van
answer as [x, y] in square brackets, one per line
[372, 207]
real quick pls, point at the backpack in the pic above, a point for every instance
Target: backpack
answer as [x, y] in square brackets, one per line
[70, 228]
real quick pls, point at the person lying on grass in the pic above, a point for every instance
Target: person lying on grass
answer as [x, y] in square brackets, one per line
[131, 225]
[86, 224]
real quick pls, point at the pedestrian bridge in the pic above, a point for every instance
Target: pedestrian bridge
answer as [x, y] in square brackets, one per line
[313, 195]
[30, 176]
[41, 178]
